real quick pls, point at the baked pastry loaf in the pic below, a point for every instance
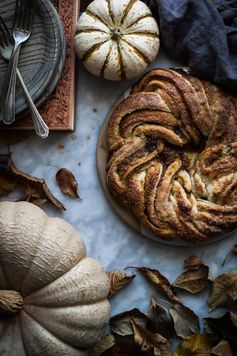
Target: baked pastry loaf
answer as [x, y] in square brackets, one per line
[173, 156]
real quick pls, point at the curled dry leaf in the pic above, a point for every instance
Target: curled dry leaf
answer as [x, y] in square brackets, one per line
[222, 349]
[233, 319]
[7, 179]
[11, 138]
[234, 249]
[105, 343]
[161, 282]
[193, 262]
[193, 280]
[7, 184]
[120, 324]
[148, 340]
[37, 191]
[160, 320]
[224, 291]
[118, 280]
[67, 182]
[198, 344]
[224, 326]
[121, 349]
[186, 322]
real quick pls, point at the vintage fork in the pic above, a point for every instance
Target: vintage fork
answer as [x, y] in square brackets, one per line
[21, 33]
[6, 47]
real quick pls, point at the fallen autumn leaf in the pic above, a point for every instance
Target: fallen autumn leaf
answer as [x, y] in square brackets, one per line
[36, 190]
[160, 320]
[195, 345]
[161, 282]
[118, 280]
[224, 291]
[194, 280]
[186, 322]
[67, 182]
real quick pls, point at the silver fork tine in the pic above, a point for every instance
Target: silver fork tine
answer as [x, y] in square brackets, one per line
[2, 40]
[31, 16]
[16, 18]
[19, 18]
[5, 33]
[27, 18]
[24, 19]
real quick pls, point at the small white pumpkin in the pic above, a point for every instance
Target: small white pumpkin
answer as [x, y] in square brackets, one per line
[117, 39]
[53, 296]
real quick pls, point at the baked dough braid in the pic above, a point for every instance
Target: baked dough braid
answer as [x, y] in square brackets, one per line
[173, 156]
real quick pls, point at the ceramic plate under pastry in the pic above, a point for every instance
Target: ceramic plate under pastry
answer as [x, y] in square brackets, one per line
[125, 214]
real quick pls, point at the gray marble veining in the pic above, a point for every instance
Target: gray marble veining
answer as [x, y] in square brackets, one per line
[107, 238]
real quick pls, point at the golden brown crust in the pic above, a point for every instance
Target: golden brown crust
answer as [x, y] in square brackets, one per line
[173, 155]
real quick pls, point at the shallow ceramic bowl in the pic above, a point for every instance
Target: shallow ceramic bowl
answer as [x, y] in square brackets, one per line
[42, 56]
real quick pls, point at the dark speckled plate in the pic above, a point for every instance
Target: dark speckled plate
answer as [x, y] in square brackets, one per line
[42, 56]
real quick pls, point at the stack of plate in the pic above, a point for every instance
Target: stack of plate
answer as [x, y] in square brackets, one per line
[42, 56]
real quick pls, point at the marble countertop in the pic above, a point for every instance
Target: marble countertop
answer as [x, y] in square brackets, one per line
[107, 238]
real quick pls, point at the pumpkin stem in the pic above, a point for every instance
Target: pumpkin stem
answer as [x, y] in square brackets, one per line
[116, 34]
[11, 302]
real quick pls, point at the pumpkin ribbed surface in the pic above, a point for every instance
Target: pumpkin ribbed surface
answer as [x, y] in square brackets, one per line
[117, 39]
[173, 156]
[64, 292]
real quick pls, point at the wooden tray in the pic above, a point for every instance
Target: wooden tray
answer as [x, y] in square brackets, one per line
[59, 110]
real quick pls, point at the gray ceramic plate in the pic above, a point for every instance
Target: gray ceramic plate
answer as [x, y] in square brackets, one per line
[42, 56]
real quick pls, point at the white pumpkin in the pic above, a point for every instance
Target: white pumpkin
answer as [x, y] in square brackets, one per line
[117, 39]
[53, 296]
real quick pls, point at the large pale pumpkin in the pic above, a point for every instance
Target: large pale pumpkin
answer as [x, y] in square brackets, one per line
[117, 39]
[52, 295]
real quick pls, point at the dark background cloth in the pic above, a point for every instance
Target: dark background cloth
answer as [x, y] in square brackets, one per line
[202, 34]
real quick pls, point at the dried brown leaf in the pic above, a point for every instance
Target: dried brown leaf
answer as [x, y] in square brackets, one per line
[186, 322]
[161, 282]
[7, 180]
[160, 320]
[38, 202]
[194, 280]
[233, 319]
[224, 326]
[7, 183]
[222, 349]
[105, 343]
[36, 189]
[224, 291]
[121, 349]
[120, 324]
[118, 280]
[234, 249]
[67, 182]
[192, 262]
[11, 138]
[195, 345]
[148, 340]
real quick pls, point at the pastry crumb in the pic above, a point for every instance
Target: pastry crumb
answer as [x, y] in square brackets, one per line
[61, 147]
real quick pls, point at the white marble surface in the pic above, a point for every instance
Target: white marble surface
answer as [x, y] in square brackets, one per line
[107, 238]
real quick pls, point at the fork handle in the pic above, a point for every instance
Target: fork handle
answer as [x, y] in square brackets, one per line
[9, 88]
[41, 128]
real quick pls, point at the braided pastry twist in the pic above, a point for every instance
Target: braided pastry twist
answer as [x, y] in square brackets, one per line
[173, 156]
